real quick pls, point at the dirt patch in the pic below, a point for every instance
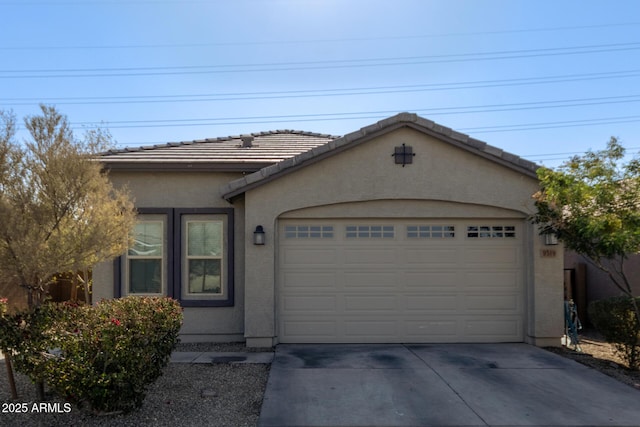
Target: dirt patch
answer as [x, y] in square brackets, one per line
[598, 354]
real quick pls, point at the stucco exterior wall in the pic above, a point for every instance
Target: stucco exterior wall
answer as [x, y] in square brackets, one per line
[187, 190]
[452, 180]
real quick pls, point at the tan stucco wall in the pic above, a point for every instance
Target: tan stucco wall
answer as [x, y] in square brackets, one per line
[598, 283]
[453, 181]
[188, 190]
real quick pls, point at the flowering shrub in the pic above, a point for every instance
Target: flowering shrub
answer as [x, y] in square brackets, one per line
[104, 355]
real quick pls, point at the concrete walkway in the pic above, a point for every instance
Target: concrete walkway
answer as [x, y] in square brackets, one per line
[221, 357]
[215, 357]
[440, 385]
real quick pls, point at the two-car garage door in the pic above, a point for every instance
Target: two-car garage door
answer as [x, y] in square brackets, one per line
[383, 281]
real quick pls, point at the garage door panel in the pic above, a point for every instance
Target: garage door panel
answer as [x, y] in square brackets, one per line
[311, 279]
[492, 303]
[435, 330]
[371, 303]
[372, 329]
[369, 256]
[302, 257]
[492, 256]
[497, 329]
[436, 280]
[368, 279]
[438, 256]
[432, 303]
[404, 288]
[493, 279]
[316, 303]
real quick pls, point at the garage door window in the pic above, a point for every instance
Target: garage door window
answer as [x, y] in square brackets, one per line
[370, 231]
[308, 232]
[491, 232]
[430, 231]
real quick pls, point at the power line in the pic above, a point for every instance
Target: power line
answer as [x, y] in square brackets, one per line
[316, 65]
[552, 125]
[569, 153]
[308, 41]
[356, 116]
[235, 96]
[430, 111]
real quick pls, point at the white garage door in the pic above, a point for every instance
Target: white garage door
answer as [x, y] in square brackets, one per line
[383, 281]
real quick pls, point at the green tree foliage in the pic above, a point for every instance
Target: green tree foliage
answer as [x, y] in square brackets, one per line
[59, 211]
[592, 203]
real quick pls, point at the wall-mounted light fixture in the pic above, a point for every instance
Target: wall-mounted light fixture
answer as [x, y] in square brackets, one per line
[550, 239]
[258, 236]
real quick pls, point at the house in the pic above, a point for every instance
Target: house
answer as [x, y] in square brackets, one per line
[402, 231]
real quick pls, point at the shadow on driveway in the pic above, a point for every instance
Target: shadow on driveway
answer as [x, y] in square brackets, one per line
[440, 385]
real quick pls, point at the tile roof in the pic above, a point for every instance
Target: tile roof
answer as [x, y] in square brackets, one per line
[266, 148]
[463, 141]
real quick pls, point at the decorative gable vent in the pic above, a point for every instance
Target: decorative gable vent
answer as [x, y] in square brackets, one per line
[403, 155]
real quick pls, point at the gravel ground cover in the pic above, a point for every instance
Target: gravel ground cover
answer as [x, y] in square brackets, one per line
[231, 394]
[185, 395]
[600, 355]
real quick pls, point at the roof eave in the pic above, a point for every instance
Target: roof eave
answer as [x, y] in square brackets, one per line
[245, 167]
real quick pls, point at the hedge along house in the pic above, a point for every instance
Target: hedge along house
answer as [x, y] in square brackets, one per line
[402, 231]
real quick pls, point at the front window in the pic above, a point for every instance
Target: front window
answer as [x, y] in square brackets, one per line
[145, 265]
[186, 254]
[204, 257]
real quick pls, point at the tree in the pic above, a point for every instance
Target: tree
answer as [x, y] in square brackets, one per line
[592, 204]
[59, 212]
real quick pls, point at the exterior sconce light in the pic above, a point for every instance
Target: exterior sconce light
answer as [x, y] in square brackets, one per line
[258, 236]
[550, 239]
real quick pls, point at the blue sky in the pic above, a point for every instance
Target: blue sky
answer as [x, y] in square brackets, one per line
[542, 79]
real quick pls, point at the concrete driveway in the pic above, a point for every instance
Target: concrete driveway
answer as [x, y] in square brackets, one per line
[440, 385]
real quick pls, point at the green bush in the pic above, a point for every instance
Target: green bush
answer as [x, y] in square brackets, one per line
[104, 356]
[615, 319]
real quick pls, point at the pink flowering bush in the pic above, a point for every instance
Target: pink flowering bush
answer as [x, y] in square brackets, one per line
[103, 356]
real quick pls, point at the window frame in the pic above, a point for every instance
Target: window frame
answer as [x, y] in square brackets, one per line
[188, 298]
[309, 231]
[121, 268]
[491, 232]
[226, 299]
[175, 259]
[369, 231]
[131, 258]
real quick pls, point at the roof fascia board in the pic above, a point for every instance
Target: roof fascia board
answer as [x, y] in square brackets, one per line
[185, 167]
[473, 146]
